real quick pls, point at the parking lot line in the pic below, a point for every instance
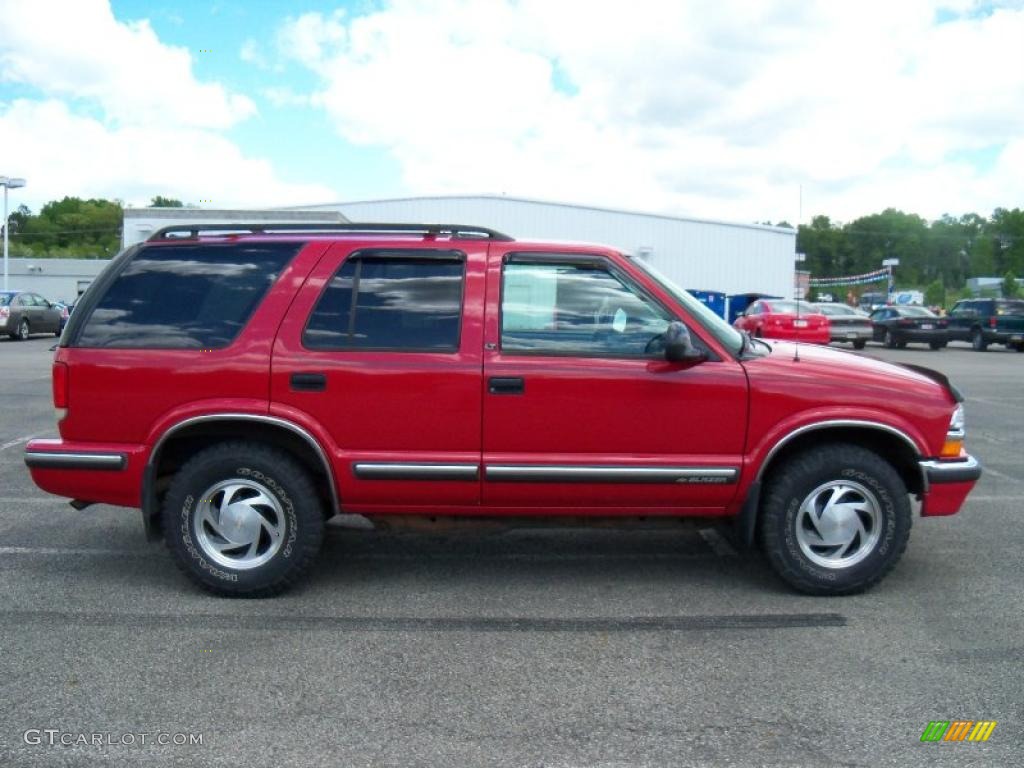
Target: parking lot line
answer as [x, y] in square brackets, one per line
[17, 441]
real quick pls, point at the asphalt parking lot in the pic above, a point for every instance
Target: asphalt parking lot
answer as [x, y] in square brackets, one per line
[529, 648]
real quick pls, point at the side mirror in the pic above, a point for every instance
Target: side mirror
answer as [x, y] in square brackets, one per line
[679, 346]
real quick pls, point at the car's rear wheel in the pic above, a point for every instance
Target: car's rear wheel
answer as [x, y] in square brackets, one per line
[859, 344]
[243, 519]
[835, 520]
[936, 344]
[890, 339]
[23, 331]
[978, 342]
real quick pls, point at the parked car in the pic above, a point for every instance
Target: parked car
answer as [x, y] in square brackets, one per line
[23, 313]
[872, 300]
[899, 326]
[988, 321]
[242, 388]
[65, 308]
[784, 319]
[846, 324]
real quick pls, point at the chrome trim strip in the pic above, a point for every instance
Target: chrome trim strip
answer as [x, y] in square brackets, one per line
[305, 435]
[82, 460]
[387, 470]
[951, 471]
[546, 473]
[841, 423]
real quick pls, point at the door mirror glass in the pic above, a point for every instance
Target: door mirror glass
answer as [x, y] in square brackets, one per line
[679, 346]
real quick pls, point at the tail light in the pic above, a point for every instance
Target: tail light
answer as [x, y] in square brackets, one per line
[60, 389]
[5, 312]
[992, 322]
[906, 322]
[943, 323]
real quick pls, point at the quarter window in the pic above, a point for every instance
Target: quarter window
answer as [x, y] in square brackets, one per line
[390, 301]
[571, 309]
[185, 296]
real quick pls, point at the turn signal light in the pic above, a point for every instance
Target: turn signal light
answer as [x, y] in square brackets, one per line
[952, 448]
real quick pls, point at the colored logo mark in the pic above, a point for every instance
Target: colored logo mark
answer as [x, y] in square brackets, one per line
[958, 730]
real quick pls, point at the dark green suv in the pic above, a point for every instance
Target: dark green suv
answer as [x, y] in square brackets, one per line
[988, 321]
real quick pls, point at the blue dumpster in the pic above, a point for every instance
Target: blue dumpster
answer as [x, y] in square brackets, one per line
[715, 300]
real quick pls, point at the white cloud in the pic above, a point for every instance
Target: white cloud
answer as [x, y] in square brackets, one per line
[78, 49]
[62, 153]
[118, 113]
[718, 109]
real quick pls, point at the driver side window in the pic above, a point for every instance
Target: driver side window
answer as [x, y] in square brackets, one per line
[576, 309]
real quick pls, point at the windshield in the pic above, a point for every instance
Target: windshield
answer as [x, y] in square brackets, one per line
[715, 325]
[837, 310]
[5, 299]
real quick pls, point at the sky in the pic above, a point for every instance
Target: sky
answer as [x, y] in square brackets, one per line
[741, 110]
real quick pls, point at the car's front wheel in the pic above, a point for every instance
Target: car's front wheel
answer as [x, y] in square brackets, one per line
[835, 520]
[23, 331]
[243, 519]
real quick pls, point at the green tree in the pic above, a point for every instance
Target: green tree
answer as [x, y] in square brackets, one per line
[935, 294]
[165, 202]
[1011, 289]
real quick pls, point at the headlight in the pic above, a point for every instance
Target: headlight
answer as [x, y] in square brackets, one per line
[956, 421]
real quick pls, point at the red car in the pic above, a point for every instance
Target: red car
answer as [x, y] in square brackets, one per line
[783, 319]
[242, 387]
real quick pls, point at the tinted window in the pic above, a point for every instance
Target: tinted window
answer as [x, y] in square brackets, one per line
[1005, 307]
[185, 296]
[390, 301]
[915, 312]
[5, 299]
[565, 309]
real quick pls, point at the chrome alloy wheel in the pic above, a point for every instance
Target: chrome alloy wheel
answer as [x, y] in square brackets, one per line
[239, 524]
[838, 524]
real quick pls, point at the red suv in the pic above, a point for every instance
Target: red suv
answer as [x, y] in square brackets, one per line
[242, 385]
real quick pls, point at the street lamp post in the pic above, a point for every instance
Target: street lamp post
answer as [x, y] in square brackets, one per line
[889, 264]
[8, 183]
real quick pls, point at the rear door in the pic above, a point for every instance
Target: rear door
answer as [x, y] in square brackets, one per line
[381, 351]
[581, 413]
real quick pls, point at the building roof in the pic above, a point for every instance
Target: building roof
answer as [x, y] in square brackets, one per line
[551, 203]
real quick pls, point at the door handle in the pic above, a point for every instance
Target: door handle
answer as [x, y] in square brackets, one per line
[308, 382]
[506, 385]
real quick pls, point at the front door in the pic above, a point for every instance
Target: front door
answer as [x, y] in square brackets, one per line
[382, 351]
[581, 414]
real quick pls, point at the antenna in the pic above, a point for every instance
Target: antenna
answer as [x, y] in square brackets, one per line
[799, 258]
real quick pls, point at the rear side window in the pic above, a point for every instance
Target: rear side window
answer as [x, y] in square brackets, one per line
[394, 300]
[185, 296]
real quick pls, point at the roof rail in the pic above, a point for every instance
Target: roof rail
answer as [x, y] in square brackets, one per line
[183, 231]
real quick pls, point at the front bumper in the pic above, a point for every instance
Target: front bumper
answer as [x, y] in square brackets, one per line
[948, 483]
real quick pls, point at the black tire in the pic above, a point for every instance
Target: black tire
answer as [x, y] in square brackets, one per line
[978, 343]
[936, 344]
[298, 519]
[860, 344]
[23, 330]
[797, 481]
[890, 339]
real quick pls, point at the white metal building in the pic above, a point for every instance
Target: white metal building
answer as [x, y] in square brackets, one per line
[698, 254]
[140, 223]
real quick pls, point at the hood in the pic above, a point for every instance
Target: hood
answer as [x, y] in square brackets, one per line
[848, 370]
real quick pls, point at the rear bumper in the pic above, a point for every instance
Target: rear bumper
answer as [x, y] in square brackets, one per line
[949, 482]
[106, 473]
[919, 334]
[851, 334]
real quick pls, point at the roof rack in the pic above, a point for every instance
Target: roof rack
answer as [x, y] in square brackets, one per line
[182, 231]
